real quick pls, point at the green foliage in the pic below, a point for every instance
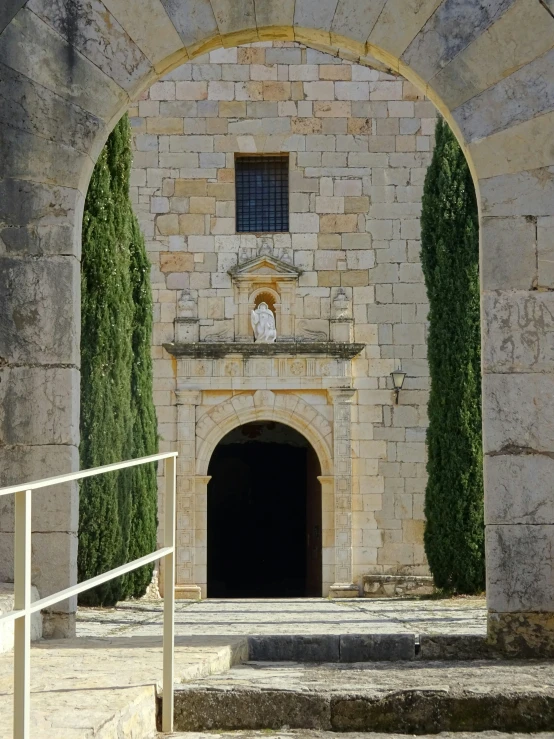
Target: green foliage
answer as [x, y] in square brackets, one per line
[144, 520]
[454, 533]
[117, 516]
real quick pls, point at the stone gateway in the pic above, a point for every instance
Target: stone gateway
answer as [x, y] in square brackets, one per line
[71, 70]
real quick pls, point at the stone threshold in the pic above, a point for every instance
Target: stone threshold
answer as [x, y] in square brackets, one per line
[218, 350]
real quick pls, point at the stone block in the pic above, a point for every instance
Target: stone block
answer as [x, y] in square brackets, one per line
[28, 156]
[377, 647]
[53, 509]
[526, 193]
[434, 46]
[399, 23]
[24, 45]
[524, 27]
[39, 219]
[188, 188]
[176, 261]
[194, 21]
[40, 309]
[354, 278]
[298, 648]
[519, 568]
[269, 13]
[455, 647]
[518, 331]
[518, 413]
[164, 126]
[356, 204]
[41, 406]
[191, 224]
[202, 205]
[168, 224]
[251, 56]
[117, 55]
[499, 107]
[519, 489]
[508, 151]
[545, 250]
[338, 223]
[58, 120]
[319, 15]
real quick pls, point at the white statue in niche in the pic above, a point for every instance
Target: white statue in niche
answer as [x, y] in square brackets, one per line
[263, 324]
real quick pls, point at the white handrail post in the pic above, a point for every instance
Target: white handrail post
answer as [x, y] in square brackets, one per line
[22, 625]
[169, 595]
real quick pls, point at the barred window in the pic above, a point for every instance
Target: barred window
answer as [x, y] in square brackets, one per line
[262, 193]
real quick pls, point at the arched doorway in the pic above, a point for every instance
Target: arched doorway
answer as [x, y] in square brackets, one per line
[264, 514]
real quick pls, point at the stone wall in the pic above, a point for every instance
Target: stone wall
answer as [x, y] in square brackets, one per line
[360, 141]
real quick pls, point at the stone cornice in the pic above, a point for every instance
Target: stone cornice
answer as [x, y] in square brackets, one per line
[218, 350]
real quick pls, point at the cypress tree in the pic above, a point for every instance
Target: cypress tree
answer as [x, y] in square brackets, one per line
[454, 533]
[117, 414]
[144, 504]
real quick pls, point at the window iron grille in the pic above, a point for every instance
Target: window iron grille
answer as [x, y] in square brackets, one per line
[262, 193]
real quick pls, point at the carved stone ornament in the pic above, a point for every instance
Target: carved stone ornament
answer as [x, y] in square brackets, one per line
[263, 324]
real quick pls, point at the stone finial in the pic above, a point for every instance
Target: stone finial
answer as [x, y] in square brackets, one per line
[342, 324]
[187, 306]
[341, 307]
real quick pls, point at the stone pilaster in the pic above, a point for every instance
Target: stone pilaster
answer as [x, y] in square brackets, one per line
[185, 585]
[243, 328]
[201, 534]
[343, 586]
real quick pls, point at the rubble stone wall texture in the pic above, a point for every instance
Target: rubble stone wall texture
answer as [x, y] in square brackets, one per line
[359, 141]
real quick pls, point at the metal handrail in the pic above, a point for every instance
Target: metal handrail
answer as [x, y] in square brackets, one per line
[23, 608]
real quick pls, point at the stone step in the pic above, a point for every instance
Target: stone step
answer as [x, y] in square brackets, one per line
[304, 734]
[403, 697]
[107, 688]
[378, 647]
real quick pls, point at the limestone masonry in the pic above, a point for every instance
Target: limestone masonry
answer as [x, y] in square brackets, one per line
[359, 142]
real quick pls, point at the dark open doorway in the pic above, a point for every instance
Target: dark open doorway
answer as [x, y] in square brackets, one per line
[264, 515]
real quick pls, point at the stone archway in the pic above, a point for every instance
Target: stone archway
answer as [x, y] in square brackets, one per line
[289, 410]
[69, 71]
[264, 515]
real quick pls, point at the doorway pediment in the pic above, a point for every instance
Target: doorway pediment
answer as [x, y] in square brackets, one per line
[265, 265]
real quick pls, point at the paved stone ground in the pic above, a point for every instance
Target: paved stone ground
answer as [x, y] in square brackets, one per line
[287, 616]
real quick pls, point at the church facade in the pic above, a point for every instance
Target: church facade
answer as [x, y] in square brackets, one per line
[279, 190]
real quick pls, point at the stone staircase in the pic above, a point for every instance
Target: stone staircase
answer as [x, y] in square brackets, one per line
[391, 683]
[108, 688]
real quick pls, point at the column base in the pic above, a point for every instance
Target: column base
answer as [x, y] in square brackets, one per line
[188, 592]
[525, 635]
[344, 590]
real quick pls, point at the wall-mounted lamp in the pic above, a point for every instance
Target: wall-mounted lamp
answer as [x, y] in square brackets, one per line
[398, 378]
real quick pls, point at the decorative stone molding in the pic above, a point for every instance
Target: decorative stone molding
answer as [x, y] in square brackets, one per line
[212, 425]
[207, 350]
[255, 280]
[342, 434]
[284, 407]
[187, 326]
[342, 322]
[185, 586]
